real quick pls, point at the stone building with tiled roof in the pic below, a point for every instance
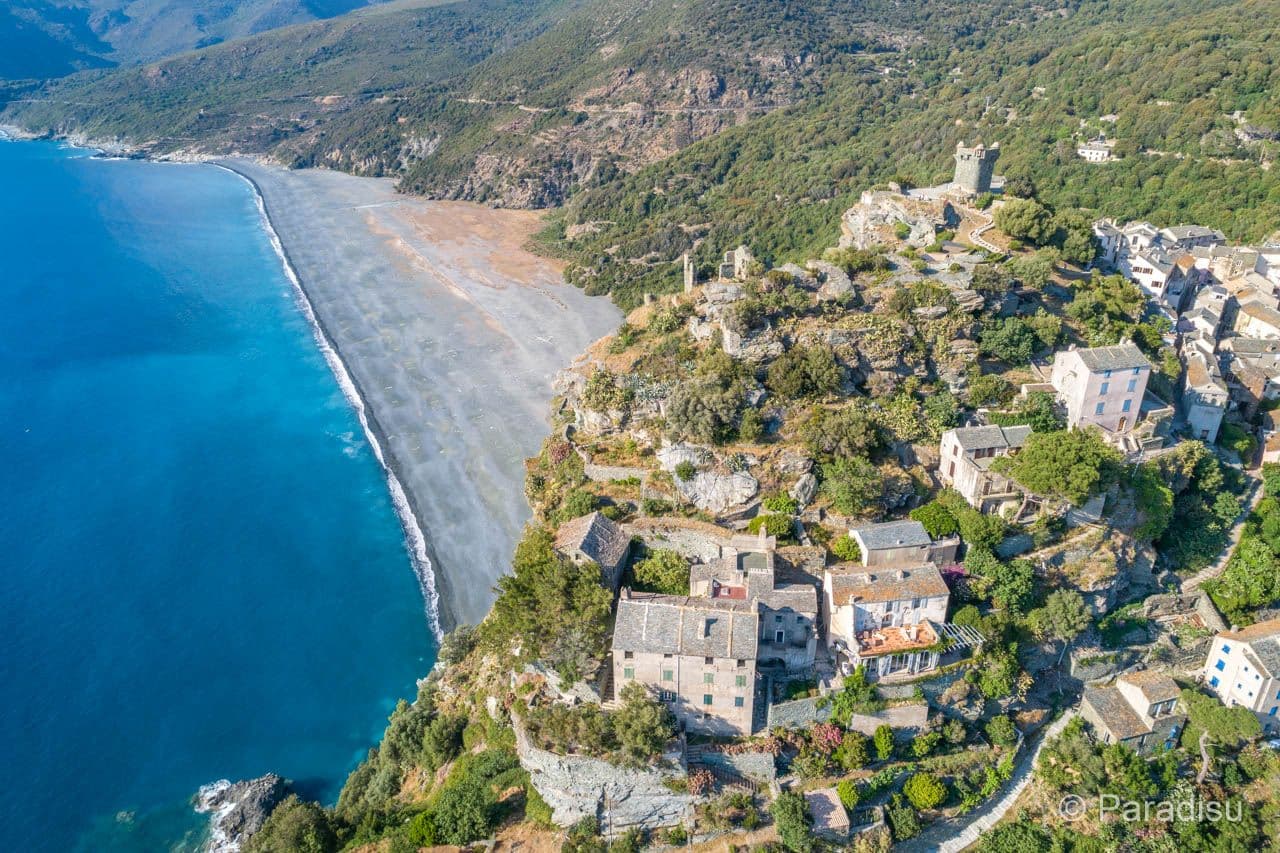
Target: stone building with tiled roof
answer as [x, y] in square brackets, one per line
[1243, 668]
[1140, 711]
[1205, 395]
[697, 654]
[965, 457]
[594, 538]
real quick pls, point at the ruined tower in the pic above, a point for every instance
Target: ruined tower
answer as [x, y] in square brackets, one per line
[975, 166]
[690, 274]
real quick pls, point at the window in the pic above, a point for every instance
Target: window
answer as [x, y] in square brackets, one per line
[1100, 408]
[915, 604]
[629, 672]
[1213, 682]
[741, 663]
[1272, 712]
[740, 681]
[628, 655]
[779, 636]
[706, 698]
[1106, 374]
[708, 678]
[668, 656]
[666, 696]
[1126, 406]
[1220, 665]
[709, 661]
[1226, 650]
[739, 702]
[1133, 385]
[1106, 386]
[1137, 371]
[777, 617]
[668, 675]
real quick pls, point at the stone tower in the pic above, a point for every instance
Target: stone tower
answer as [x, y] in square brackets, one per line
[690, 274]
[974, 167]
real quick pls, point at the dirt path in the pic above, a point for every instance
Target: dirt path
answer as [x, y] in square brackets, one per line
[1237, 529]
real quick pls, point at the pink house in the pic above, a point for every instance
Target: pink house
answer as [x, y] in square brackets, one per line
[1102, 386]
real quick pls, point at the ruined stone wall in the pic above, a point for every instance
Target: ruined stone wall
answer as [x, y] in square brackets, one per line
[577, 786]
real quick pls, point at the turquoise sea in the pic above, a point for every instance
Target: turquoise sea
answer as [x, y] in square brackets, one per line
[203, 573]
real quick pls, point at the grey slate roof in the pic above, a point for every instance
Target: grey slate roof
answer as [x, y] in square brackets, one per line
[596, 536]
[1124, 356]
[800, 597]
[1155, 686]
[893, 534]
[679, 625]
[1184, 232]
[1264, 639]
[1114, 711]
[976, 437]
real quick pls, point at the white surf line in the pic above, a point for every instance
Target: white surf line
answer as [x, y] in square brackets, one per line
[415, 537]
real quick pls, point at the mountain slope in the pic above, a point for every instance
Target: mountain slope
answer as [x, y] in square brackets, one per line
[1172, 73]
[51, 38]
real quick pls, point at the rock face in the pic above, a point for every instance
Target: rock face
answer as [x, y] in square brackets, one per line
[872, 220]
[575, 786]
[712, 491]
[238, 809]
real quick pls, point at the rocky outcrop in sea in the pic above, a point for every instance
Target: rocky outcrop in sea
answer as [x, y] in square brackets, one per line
[238, 809]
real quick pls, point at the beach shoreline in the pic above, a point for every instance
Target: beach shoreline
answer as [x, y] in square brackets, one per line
[415, 537]
[446, 334]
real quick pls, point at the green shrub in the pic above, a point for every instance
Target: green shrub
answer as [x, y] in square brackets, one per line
[847, 789]
[791, 817]
[773, 525]
[883, 740]
[938, 521]
[662, 571]
[781, 503]
[925, 791]
[686, 470]
[536, 810]
[1001, 731]
[846, 549]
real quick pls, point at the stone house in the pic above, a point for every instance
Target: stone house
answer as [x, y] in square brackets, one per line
[1140, 711]
[1258, 320]
[1184, 238]
[902, 543]
[594, 538]
[887, 619]
[966, 454]
[1205, 395]
[788, 611]
[1102, 386]
[698, 655]
[1243, 668]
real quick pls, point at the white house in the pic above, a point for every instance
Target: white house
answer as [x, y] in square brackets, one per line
[1243, 668]
[965, 457]
[1094, 151]
[1102, 386]
[888, 620]
[1205, 395]
[1258, 320]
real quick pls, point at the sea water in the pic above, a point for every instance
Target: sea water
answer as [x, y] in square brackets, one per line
[202, 574]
